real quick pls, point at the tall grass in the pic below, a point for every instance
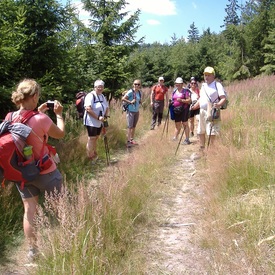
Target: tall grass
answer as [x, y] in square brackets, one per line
[96, 223]
[241, 183]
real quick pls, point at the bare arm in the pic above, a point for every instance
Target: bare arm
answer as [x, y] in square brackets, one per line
[56, 130]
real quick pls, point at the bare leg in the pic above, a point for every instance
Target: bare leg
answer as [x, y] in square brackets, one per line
[131, 133]
[177, 129]
[30, 208]
[192, 124]
[91, 147]
[202, 140]
[186, 129]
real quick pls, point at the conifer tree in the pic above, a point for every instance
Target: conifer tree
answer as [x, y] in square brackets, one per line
[113, 38]
[193, 36]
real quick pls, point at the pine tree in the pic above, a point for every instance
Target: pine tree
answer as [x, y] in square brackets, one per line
[193, 36]
[231, 17]
[113, 38]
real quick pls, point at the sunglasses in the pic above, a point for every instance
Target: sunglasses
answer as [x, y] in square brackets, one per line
[136, 84]
[193, 82]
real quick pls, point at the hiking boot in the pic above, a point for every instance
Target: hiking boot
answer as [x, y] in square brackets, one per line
[32, 254]
[133, 142]
[186, 142]
[152, 128]
[174, 138]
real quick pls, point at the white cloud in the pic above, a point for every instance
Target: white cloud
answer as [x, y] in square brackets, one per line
[153, 22]
[78, 5]
[158, 7]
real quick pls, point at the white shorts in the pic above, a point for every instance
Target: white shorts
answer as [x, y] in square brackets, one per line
[205, 126]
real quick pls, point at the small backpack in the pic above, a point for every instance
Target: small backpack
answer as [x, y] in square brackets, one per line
[125, 105]
[79, 103]
[13, 166]
[224, 106]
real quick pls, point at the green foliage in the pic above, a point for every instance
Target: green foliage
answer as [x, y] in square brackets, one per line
[11, 211]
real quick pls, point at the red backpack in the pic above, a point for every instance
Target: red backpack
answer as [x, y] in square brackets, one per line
[79, 103]
[13, 166]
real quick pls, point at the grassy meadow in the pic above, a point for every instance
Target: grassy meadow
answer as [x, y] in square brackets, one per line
[240, 232]
[92, 228]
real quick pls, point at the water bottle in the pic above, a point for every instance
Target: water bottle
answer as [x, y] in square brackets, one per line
[27, 151]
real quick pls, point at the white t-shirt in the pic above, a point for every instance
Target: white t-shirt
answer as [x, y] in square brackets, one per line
[98, 103]
[210, 93]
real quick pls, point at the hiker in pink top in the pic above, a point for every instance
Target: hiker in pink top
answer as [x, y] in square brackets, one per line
[26, 97]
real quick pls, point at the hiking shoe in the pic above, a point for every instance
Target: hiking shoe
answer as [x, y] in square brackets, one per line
[192, 134]
[32, 254]
[94, 160]
[186, 142]
[129, 144]
[174, 138]
[152, 128]
[133, 142]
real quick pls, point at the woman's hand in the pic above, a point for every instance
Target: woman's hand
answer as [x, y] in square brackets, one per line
[58, 108]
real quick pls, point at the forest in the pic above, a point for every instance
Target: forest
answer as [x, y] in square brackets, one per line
[45, 40]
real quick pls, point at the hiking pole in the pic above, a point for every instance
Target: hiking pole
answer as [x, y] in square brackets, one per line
[107, 151]
[166, 124]
[180, 139]
[211, 127]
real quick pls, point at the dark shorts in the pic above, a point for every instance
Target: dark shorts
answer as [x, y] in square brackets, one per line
[183, 116]
[93, 131]
[194, 112]
[50, 183]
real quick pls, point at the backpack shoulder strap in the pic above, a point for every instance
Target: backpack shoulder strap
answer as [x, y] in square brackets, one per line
[27, 115]
[23, 118]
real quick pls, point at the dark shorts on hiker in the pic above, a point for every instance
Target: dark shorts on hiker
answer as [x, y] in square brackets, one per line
[93, 131]
[50, 183]
[182, 116]
[193, 113]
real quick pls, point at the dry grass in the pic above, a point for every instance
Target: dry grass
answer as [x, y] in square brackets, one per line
[240, 230]
[91, 228]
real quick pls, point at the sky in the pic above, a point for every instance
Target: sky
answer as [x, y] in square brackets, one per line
[162, 19]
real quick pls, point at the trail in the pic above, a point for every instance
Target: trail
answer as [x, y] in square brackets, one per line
[172, 246]
[170, 241]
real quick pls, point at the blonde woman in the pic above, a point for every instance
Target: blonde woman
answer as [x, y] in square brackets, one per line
[26, 97]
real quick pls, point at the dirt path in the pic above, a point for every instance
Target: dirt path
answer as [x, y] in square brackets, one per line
[172, 244]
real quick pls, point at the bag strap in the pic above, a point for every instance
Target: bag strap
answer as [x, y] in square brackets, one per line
[22, 118]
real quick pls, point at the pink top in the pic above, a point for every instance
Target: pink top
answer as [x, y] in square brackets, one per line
[40, 124]
[184, 94]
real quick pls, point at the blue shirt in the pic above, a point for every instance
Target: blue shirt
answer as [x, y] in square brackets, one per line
[131, 94]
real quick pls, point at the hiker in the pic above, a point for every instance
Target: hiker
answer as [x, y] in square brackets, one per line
[181, 102]
[195, 95]
[158, 93]
[96, 111]
[26, 97]
[212, 97]
[133, 98]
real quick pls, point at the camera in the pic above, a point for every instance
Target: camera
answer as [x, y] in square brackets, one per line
[50, 104]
